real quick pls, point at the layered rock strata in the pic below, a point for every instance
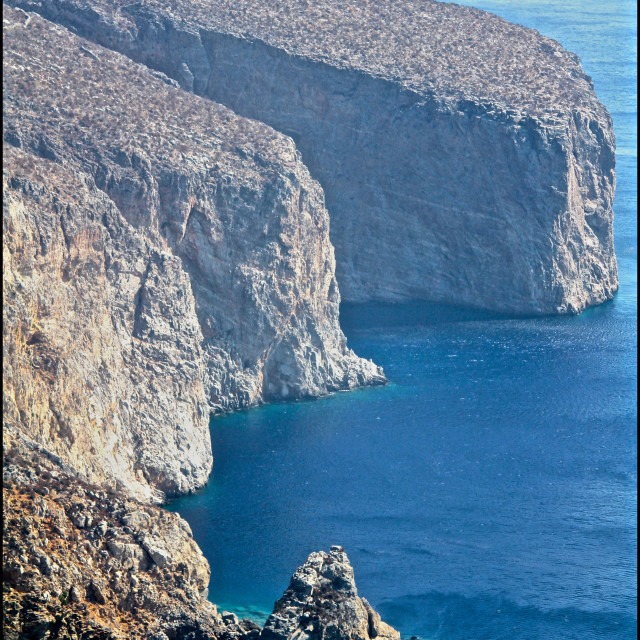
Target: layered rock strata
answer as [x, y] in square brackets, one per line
[464, 158]
[163, 258]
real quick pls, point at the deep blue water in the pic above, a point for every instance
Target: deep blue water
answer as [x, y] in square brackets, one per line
[489, 492]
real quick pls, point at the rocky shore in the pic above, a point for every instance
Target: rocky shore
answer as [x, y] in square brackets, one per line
[166, 258]
[322, 602]
[85, 562]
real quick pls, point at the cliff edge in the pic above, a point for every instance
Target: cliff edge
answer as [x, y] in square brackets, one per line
[465, 159]
[163, 259]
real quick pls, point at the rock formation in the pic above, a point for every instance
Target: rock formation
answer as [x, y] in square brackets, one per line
[83, 562]
[163, 258]
[465, 159]
[322, 603]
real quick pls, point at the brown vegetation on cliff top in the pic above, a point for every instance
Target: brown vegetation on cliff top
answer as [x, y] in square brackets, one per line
[447, 51]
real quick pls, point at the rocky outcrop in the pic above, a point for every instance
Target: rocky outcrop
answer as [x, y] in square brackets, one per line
[465, 159]
[163, 258]
[81, 561]
[322, 603]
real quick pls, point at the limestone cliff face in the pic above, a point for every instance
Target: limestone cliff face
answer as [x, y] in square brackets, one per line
[163, 258]
[78, 376]
[465, 159]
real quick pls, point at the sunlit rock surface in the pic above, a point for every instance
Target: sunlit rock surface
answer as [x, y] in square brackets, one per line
[163, 258]
[322, 602]
[85, 562]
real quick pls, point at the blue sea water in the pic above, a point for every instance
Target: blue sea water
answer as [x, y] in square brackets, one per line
[490, 490]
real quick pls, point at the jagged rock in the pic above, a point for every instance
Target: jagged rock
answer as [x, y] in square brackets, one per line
[249, 626]
[377, 628]
[455, 169]
[124, 551]
[98, 592]
[79, 519]
[76, 594]
[137, 520]
[229, 618]
[162, 258]
[155, 548]
[83, 596]
[45, 565]
[12, 572]
[322, 603]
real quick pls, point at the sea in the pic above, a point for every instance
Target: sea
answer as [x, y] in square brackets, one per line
[490, 490]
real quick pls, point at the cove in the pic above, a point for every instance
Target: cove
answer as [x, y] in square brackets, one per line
[492, 481]
[489, 491]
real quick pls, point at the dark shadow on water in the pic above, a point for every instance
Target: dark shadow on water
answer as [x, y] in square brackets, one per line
[373, 315]
[420, 313]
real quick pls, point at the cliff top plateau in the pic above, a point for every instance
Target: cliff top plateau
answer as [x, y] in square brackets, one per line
[464, 159]
[441, 50]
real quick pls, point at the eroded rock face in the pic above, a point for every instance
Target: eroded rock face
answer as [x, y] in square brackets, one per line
[465, 159]
[322, 603]
[77, 376]
[77, 563]
[163, 258]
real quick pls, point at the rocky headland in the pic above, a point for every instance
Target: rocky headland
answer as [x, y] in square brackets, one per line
[85, 562]
[163, 259]
[166, 258]
[465, 159]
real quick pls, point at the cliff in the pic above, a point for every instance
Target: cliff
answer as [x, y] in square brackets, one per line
[465, 159]
[163, 258]
[84, 562]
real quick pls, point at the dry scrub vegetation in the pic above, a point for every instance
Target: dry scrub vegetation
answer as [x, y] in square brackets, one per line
[60, 84]
[433, 48]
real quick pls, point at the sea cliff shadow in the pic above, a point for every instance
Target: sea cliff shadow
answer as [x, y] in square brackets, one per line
[373, 315]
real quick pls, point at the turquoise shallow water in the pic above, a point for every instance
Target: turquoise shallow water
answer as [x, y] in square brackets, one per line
[490, 490]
